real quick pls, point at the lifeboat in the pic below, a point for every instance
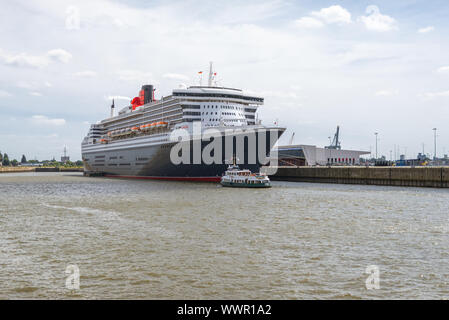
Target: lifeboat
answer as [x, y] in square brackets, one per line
[160, 124]
[135, 129]
[144, 127]
[103, 141]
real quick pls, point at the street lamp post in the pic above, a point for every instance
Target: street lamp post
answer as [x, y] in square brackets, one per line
[376, 133]
[435, 143]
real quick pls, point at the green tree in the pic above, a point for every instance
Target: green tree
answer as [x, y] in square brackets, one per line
[14, 163]
[6, 160]
[1, 158]
[24, 159]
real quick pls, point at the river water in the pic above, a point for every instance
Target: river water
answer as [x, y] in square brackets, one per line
[134, 239]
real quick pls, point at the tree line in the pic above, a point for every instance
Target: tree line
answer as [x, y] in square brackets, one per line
[5, 161]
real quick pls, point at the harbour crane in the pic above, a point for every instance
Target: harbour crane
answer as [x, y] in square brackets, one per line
[335, 144]
[291, 139]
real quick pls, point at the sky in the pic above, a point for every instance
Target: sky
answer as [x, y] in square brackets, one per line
[367, 66]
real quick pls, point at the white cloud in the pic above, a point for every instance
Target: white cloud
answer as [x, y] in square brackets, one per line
[85, 74]
[333, 14]
[308, 22]
[431, 95]
[175, 76]
[135, 75]
[118, 23]
[4, 94]
[72, 20]
[275, 94]
[32, 85]
[32, 61]
[426, 29]
[386, 92]
[238, 13]
[36, 94]
[45, 121]
[375, 21]
[444, 69]
[59, 55]
[25, 60]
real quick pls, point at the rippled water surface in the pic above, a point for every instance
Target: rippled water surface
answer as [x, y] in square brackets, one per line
[167, 240]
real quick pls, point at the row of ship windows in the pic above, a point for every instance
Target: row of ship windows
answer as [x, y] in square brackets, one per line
[190, 106]
[225, 120]
[115, 158]
[224, 107]
[192, 113]
[197, 113]
[223, 113]
[193, 106]
[184, 94]
[213, 120]
[120, 164]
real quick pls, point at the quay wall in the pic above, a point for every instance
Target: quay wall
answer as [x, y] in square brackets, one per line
[16, 169]
[38, 169]
[435, 177]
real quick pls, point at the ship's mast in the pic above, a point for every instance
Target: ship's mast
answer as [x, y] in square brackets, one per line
[211, 73]
[112, 108]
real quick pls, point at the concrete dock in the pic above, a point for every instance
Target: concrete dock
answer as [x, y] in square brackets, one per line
[435, 177]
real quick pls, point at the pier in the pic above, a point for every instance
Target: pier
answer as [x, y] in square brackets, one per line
[434, 177]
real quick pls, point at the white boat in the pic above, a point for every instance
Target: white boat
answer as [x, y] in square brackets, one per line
[235, 177]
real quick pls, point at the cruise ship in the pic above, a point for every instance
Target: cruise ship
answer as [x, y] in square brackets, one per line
[139, 141]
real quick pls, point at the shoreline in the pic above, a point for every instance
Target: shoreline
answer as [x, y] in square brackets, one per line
[38, 169]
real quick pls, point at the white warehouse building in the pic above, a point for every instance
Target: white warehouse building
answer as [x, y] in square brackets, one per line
[310, 155]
